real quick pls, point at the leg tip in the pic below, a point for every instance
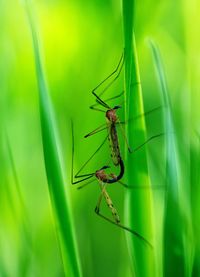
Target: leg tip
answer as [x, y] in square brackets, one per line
[130, 150]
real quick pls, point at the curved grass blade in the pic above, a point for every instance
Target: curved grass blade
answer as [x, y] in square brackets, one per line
[52, 163]
[174, 255]
[138, 210]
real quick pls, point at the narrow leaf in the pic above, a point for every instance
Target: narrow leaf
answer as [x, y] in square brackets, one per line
[52, 163]
[138, 203]
[174, 263]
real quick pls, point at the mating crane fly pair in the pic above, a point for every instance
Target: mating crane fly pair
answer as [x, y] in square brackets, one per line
[104, 178]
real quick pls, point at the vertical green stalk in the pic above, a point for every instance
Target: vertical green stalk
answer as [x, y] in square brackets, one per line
[195, 193]
[192, 21]
[24, 254]
[138, 203]
[54, 173]
[174, 252]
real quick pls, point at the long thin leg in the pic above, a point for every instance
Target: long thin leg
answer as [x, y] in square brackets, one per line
[141, 115]
[116, 77]
[101, 128]
[129, 120]
[83, 166]
[84, 185]
[97, 208]
[116, 222]
[127, 229]
[109, 202]
[134, 150]
[87, 176]
[98, 99]
[97, 130]
[120, 123]
[107, 100]
[125, 138]
[97, 109]
[79, 181]
[111, 74]
[148, 140]
[142, 186]
[83, 175]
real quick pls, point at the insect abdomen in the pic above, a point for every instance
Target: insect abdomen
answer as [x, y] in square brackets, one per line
[114, 144]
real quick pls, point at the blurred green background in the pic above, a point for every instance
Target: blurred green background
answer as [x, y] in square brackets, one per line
[81, 43]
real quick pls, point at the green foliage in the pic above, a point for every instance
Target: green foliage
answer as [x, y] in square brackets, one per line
[173, 236]
[138, 203]
[43, 217]
[52, 164]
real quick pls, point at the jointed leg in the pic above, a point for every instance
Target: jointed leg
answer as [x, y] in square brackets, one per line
[125, 138]
[117, 221]
[93, 107]
[110, 75]
[109, 203]
[76, 176]
[84, 176]
[84, 185]
[141, 115]
[97, 208]
[148, 140]
[118, 71]
[142, 186]
[97, 130]
[125, 228]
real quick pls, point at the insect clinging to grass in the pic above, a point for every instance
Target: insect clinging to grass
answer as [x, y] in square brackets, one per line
[112, 119]
[104, 179]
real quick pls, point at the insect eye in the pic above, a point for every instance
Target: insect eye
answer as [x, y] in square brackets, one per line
[105, 167]
[116, 107]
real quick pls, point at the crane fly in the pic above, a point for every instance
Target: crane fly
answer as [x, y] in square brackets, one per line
[87, 176]
[104, 179]
[112, 119]
[111, 115]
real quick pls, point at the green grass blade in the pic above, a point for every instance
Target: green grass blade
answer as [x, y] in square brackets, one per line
[24, 253]
[174, 261]
[138, 208]
[53, 165]
[195, 193]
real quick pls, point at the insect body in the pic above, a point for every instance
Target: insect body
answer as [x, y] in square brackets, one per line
[111, 119]
[104, 179]
[101, 175]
